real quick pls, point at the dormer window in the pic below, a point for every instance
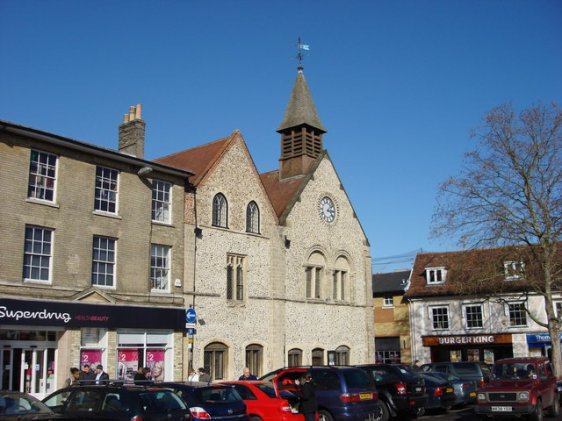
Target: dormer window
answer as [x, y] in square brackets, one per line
[513, 270]
[435, 275]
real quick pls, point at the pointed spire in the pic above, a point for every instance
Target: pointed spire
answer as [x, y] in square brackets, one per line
[301, 109]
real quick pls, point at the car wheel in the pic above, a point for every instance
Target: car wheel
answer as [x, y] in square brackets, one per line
[539, 414]
[385, 413]
[555, 408]
[325, 416]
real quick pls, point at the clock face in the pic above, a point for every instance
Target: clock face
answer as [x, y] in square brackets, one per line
[327, 209]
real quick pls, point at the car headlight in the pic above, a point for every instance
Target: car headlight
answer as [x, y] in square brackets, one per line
[523, 396]
[481, 396]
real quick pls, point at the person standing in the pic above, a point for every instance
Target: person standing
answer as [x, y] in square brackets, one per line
[246, 375]
[204, 375]
[140, 376]
[192, 375]
[307, 393]
[74, 377]
[101, 376]
[87, 376]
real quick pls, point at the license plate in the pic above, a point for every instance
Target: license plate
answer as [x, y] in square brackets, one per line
[502, 409]
[418, 389]
[364, 396]
[449, 390]
[472, 394]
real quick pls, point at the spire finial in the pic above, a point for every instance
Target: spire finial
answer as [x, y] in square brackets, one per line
[301, 52]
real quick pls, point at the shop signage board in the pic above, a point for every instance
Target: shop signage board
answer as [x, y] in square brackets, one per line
[73, 314]
[456, 340]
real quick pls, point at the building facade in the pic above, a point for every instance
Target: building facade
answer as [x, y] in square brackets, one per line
[282, 264]
[475, 306]
[391, 317]
[92, 259]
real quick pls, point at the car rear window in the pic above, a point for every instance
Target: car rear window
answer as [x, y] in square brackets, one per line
[218, 394]
[466, 368]
[326, 380]
[357, 379]
[158, 402]
[267, 388]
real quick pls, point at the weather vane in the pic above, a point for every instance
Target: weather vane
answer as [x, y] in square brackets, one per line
[301, 52]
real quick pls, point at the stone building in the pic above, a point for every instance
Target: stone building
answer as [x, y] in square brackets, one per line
[282, 266]
[91, 258]
[476, 305]
[391, 317]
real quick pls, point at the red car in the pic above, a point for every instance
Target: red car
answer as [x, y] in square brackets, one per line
[264, 403]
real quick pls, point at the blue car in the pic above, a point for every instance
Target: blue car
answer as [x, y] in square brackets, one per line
[210, 401]
[343, 393]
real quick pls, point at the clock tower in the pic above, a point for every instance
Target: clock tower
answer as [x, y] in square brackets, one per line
[301, 131]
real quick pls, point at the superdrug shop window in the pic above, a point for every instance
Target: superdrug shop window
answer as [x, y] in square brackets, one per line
[144, 349]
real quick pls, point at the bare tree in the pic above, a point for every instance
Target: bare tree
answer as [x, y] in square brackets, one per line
[509, 193]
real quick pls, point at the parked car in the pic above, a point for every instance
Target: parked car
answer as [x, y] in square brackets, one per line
[21, 406]
[465, 390]
[343, 392]
[440, 393]
[118, 402]
[210, 401]
[401, 389]
[265, 403]
[520, 387]
[475, 371]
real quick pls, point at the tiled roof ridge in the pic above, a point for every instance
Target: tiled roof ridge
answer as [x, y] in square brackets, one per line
[222, 139]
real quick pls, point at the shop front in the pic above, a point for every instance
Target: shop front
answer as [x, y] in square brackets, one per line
[540, 344]
[42, 340]
[455, 348]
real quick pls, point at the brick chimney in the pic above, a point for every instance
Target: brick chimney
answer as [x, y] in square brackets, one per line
[131, 133]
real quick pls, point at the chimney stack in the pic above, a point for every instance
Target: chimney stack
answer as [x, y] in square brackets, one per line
[131, 133]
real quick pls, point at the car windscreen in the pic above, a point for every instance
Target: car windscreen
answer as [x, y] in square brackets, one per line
[268, 389]
[510, 371]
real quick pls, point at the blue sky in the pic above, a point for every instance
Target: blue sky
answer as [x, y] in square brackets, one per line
[398, 84]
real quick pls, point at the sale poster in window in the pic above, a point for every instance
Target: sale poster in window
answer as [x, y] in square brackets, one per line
[155, 362]
[127, 364]
[92, 357]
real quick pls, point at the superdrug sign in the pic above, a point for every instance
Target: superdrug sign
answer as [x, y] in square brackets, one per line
[71, 314]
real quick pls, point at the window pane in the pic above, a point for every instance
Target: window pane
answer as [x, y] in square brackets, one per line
[37, 253]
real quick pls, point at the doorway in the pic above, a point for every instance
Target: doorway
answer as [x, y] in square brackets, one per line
[29, 370]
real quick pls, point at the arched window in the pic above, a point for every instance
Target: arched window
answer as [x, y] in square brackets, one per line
[220, 211]
[340, 280]
[317, 356]
[295, 357]
[254, 359]
[314, 275]
[253, 218]
[216, 359]
[342, 355]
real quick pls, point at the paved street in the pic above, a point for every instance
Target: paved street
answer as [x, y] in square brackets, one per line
[463, 414]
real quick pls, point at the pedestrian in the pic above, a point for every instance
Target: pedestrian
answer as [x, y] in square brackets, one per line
[204, 375]
[140, 376]
[417, 365]
[192, 375]
[246, 375]
[74, 377]
[87, 375]
[101, 376]
[307, 394]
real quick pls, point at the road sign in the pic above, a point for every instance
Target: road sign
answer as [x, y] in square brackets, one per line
[191, 331]
[190, 325]
[190, 315]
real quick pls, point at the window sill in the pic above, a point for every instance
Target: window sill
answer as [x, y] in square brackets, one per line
[106, 214]
[159, 291]
[42, 202]
[235, 303]
[37, 281]
[162, 224]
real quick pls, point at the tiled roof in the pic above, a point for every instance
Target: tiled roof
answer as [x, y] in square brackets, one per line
[281, 192]
[198, 160]
[469, 272]
[390, 282]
